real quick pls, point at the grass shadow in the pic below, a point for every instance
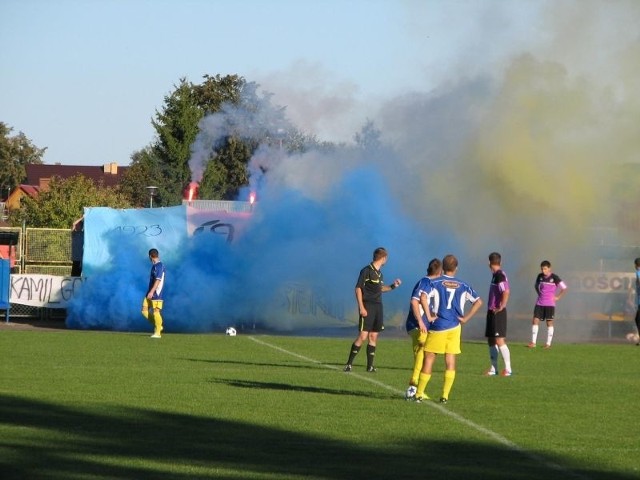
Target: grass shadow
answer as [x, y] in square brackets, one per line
[60, 443]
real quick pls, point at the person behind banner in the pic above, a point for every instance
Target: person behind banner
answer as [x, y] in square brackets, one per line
[152, 303]
[77, 247]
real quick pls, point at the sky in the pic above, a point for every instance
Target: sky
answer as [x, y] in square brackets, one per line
[84, 78]
[502, 123]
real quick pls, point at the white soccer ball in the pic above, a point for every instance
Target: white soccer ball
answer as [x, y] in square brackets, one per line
[231, 332]
[633, 337]
[410, 393]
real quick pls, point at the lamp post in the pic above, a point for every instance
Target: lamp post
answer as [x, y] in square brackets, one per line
[152, 192]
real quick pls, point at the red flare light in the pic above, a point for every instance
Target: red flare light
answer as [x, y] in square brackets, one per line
[191, 192]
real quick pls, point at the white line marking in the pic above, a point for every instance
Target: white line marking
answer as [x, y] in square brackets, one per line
[489, 433]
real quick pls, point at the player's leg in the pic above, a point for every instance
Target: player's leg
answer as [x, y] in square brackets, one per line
[449, 375]
[501, 341]
[452, 350]
[550, 332]
[155, 315]
[376, 326]
[503, 348]
[638, 323]
[371, 351]
[146, 305]
[425, 375]
[490, 333]
[535, 326]
[357, 344]
[419, 342]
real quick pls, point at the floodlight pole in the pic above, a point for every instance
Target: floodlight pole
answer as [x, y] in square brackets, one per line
[152, 191]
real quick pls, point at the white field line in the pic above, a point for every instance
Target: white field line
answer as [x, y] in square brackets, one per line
[489, 433]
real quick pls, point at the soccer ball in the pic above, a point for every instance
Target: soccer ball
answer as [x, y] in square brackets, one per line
[632, 337]
[410, 393]
[231, 332]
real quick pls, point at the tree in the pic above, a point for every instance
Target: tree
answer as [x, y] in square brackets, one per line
[143, 172]
[177, 127]
[243, 121]
[64, 201]
[15, 153]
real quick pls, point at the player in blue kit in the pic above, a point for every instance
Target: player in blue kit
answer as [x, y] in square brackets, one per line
[152, 302]
[449, 296]
[417, 323]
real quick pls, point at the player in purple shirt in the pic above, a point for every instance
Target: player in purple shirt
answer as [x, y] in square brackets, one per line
[547, 286]
[496, 326]
[636, 262]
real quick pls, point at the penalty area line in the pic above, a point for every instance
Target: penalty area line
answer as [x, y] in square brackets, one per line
[459, 418]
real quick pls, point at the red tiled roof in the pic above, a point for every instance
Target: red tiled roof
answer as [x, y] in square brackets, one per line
[37, 172]
[31, 190]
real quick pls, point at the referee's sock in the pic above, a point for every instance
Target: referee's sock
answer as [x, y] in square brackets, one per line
[371, 353]
[352, 354]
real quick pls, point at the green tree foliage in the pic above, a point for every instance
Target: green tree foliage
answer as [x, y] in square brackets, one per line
[176, 127]
[144, 171]
[15, 152]
[64, 202]
[248, 120]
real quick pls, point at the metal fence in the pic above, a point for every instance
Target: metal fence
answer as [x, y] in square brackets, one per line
[44, 251]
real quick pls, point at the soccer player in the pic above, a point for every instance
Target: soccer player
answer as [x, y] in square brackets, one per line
[547, 286]
[417, 323]
[369, 289]
[496, 327]
[450, 296]
[152, 303]
[637, 264]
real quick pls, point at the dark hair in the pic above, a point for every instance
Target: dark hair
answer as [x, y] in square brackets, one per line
[379, 253]
[637, 262]
[449, 263]
[495, 258]
[153, 253]
[545, 263]
[435, 265]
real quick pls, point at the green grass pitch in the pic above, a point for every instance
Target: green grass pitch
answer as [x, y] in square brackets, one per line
[98, 405]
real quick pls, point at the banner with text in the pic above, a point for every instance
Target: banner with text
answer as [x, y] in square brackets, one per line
[48, 291]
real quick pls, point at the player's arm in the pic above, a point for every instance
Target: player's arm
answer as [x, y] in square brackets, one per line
[361, 309]
[396, 283]
[415, 309]
[475, 306]
[424, 301]
[153, 288]
[563, 290]
[504, 300]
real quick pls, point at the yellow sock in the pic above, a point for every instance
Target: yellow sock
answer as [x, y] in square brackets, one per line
[157, 321]
[449, 377]
[145, 311]
[422, 384]
[417, 366]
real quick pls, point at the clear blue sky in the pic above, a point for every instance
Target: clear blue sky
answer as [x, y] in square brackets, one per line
[84, 78]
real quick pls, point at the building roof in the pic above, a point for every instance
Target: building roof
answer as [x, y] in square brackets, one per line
[13, 200]
[109, 174]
